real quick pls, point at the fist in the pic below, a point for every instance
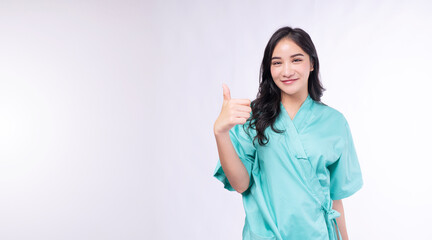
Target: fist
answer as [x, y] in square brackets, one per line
[234, 111]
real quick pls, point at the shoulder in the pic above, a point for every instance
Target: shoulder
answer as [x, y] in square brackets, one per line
[329, 120]
[325, 112]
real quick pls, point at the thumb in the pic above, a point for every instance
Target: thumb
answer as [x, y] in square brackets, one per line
[226, 92]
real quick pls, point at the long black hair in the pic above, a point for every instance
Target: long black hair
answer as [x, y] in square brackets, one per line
[266, 107]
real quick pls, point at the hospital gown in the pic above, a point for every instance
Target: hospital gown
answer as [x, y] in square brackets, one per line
[295, 177]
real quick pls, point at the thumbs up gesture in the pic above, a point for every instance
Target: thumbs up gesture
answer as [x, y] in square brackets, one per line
[234, 111]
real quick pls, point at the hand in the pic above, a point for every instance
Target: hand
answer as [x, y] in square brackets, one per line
[234, 111]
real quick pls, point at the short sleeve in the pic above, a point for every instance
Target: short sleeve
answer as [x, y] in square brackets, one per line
[345, 173]
[245, 149]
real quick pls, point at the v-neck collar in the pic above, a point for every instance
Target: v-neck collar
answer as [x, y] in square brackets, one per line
[301, 115]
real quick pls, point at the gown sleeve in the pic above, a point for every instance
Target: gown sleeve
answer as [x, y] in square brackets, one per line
[246, 151]
[345, 173]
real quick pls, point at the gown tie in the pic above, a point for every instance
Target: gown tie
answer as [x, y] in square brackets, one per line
[331, 216]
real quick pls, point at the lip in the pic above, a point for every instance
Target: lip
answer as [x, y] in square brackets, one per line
[288, 81]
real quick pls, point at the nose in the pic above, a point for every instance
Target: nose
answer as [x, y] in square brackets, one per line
[288, 71]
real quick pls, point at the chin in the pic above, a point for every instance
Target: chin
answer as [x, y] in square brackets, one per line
[290, 91]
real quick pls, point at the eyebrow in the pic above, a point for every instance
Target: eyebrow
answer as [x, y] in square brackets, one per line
[295, 55]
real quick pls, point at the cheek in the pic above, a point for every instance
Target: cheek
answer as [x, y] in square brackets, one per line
[303, 69]
[306, 67]
[274, 72]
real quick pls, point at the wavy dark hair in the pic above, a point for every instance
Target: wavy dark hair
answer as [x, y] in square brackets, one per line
[266, 107]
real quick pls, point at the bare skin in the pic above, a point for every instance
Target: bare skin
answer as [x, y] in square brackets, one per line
[290, 62]
[234, 111]
[338, 206]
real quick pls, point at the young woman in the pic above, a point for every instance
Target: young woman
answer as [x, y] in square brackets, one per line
[290, 156]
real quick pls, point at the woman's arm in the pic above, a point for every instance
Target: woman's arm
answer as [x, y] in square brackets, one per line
[338, 206]
[231, 164]
[234, 112]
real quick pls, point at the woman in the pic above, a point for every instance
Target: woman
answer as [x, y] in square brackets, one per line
[290, 156]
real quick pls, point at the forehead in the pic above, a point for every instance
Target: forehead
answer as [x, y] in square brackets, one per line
[287, 46]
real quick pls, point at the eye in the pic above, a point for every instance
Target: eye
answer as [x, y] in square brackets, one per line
[276, 63]
[298, 60]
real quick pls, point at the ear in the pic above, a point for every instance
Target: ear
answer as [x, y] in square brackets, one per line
[311, 66]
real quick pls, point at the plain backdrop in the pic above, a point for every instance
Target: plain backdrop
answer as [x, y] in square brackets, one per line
[107, 111]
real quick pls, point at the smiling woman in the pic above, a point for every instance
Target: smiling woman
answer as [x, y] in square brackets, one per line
[290, 68]
[289, 155]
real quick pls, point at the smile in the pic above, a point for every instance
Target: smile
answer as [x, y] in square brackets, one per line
[289, 81]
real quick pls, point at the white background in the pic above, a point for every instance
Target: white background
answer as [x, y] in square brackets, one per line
[107, 111]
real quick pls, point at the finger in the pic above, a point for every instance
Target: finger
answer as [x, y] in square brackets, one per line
[242, 108]
[242, 115]
[240, 120]
[245, 102]
[226, 92]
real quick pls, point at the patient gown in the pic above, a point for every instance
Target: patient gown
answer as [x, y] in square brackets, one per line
[297, 174]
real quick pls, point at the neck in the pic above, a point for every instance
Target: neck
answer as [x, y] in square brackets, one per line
[293, 101]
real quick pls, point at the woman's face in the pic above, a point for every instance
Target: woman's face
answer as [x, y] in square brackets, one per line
[290, 68]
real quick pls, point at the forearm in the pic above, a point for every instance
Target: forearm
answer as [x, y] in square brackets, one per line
[338, 206]
[231, 164]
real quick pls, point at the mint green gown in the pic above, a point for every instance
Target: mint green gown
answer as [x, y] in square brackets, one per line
[295, 177]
